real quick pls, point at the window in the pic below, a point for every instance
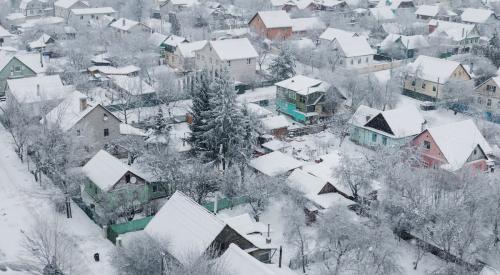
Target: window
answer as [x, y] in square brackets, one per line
[105, 117]
[367, 60]
[423, 85]
[249, 61]
[488, 103]
[413, 83]
[155, 188]
[433, 88]
[427, 145]
[359, 61]
[106, 132]
[229, 63]
[78, 133]
[374, 137]
[81, 17]
[384, 140]
[352, 61]
[127, 178]
[17, 68]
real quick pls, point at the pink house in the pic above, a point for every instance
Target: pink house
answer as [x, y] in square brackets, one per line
[454, 146]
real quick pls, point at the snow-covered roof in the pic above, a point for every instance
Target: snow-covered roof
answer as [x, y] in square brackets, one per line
[382, 13]
[187, 228]
[132, 84]
[433, 69]
[40, 42]
[124, 24]
[238, 262]
[275, 19]
[101, 58]
[69, 111]
[307, 24]
[457, 140]
[127, 129]
[303, 85]
[394, 4]
[245, 224]
[15, 16]
[427, 10]
[234, 49]
[333, 33]
[109, 70]
[31, 60]
[478, 16]
[101, 10]
[186, 3]
[157, 39]
[410, 42]
[188, 49]
[275, 145]
[275, 164]
[274, 122]
[43, 21]
[174, 40]
[105, 171]
[66, 4]
[4, 32]
[24, 3]
[354, 46]
[362, 115]
[453, 30]
[311, 185]
[37, 89]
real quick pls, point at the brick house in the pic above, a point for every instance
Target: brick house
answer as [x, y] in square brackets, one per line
[273, 25]
[454, 146]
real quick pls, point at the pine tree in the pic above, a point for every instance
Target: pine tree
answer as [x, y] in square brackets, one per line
[200, 94]
[161, 125]
[283, 66]
[224, 129]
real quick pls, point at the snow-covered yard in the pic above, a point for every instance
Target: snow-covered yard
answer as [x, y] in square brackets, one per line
[22, 201]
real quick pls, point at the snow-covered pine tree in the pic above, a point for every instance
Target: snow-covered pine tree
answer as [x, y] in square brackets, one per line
[161, 125]
[200, 95]
[224, 128]
[283, 66]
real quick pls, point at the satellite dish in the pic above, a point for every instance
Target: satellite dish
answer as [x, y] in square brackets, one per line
[133, 179]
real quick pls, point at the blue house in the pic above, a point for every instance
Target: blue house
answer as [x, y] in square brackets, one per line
[373, 128]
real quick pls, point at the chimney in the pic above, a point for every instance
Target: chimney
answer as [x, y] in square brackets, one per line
[422, 126]
[123, 22]
[471, 68]
[83, 103]
[268, 239]
[368, 118]
[38, 89]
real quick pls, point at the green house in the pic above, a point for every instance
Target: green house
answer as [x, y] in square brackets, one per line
[19, 66]
[301, 98]
[110, 181]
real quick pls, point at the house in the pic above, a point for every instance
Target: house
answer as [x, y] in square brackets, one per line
[301, 97]
[131, 89]
[336, 6]
[127, 26]
[90, 123]
[353, 52]
[109, 182]
[35, 8]
[41, 43]
[275, 125]
[395, 128]
[455, 37]
[183, 227]
[330, 34]
[157, 40]
[40, 94]
[62, 8]
[170, 45]
[478, 16]
[397, 5]
[302, 26]
[488, 98]
[177, 5]
[185, 55]
[275, 164]
[382, 14]
[237, 55]
[453, 146]
[427, 76]
[437, 11]
[4, 35]
[237, 261]
[91, 15]
[99, 71]
[20, 66]
[273, 25]
[402, 46]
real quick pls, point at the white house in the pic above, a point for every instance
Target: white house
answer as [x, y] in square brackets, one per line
[478, 16]
[35, 8]
[238, 55]
[124, 25]
[185, 55]
[62, 8]
[354, 52]
[91, 15]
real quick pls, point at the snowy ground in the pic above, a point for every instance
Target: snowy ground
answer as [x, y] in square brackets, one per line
[22, 200]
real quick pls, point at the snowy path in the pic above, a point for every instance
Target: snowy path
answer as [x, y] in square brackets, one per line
[22, 199]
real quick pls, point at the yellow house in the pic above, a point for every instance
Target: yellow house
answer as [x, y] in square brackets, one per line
[427, 76]
[488, 96]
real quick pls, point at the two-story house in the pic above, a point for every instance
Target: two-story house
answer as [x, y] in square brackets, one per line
[301, 98]
[35, 8]
[453, 146]
[427, 76]
[62, 8]
[273, 25]
[453, 37]
[488, 98]
[237, 55]
[185, 55]
[373, 128]
[93, 16]
[170, 45]
[436, 11]
[20, 66]
[91, 124]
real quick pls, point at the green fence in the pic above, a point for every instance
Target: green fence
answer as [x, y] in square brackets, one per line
[226, 203]
[115, 230]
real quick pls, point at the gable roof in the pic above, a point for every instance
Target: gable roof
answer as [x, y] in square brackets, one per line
[355, 46]
[4, 32]
[174, 40]
[132, 84]
[68, 112]
[303, 85]
[238, 262]
[275, 163]
[433, 69]
[478, 16]
[457, 141]
[66, 4]
[31, 60]
[408, 42]
[433, 10]
[394, 4]
[100, 10]
[233, 49]
[275, 19]
[188, 49]
[307, 24]
[124, 24]
[362, 115]
[403, 122]
[185, 226]
[37, 89]
[453, 30]
[333, 33]
[105, 171]
[40, 42]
